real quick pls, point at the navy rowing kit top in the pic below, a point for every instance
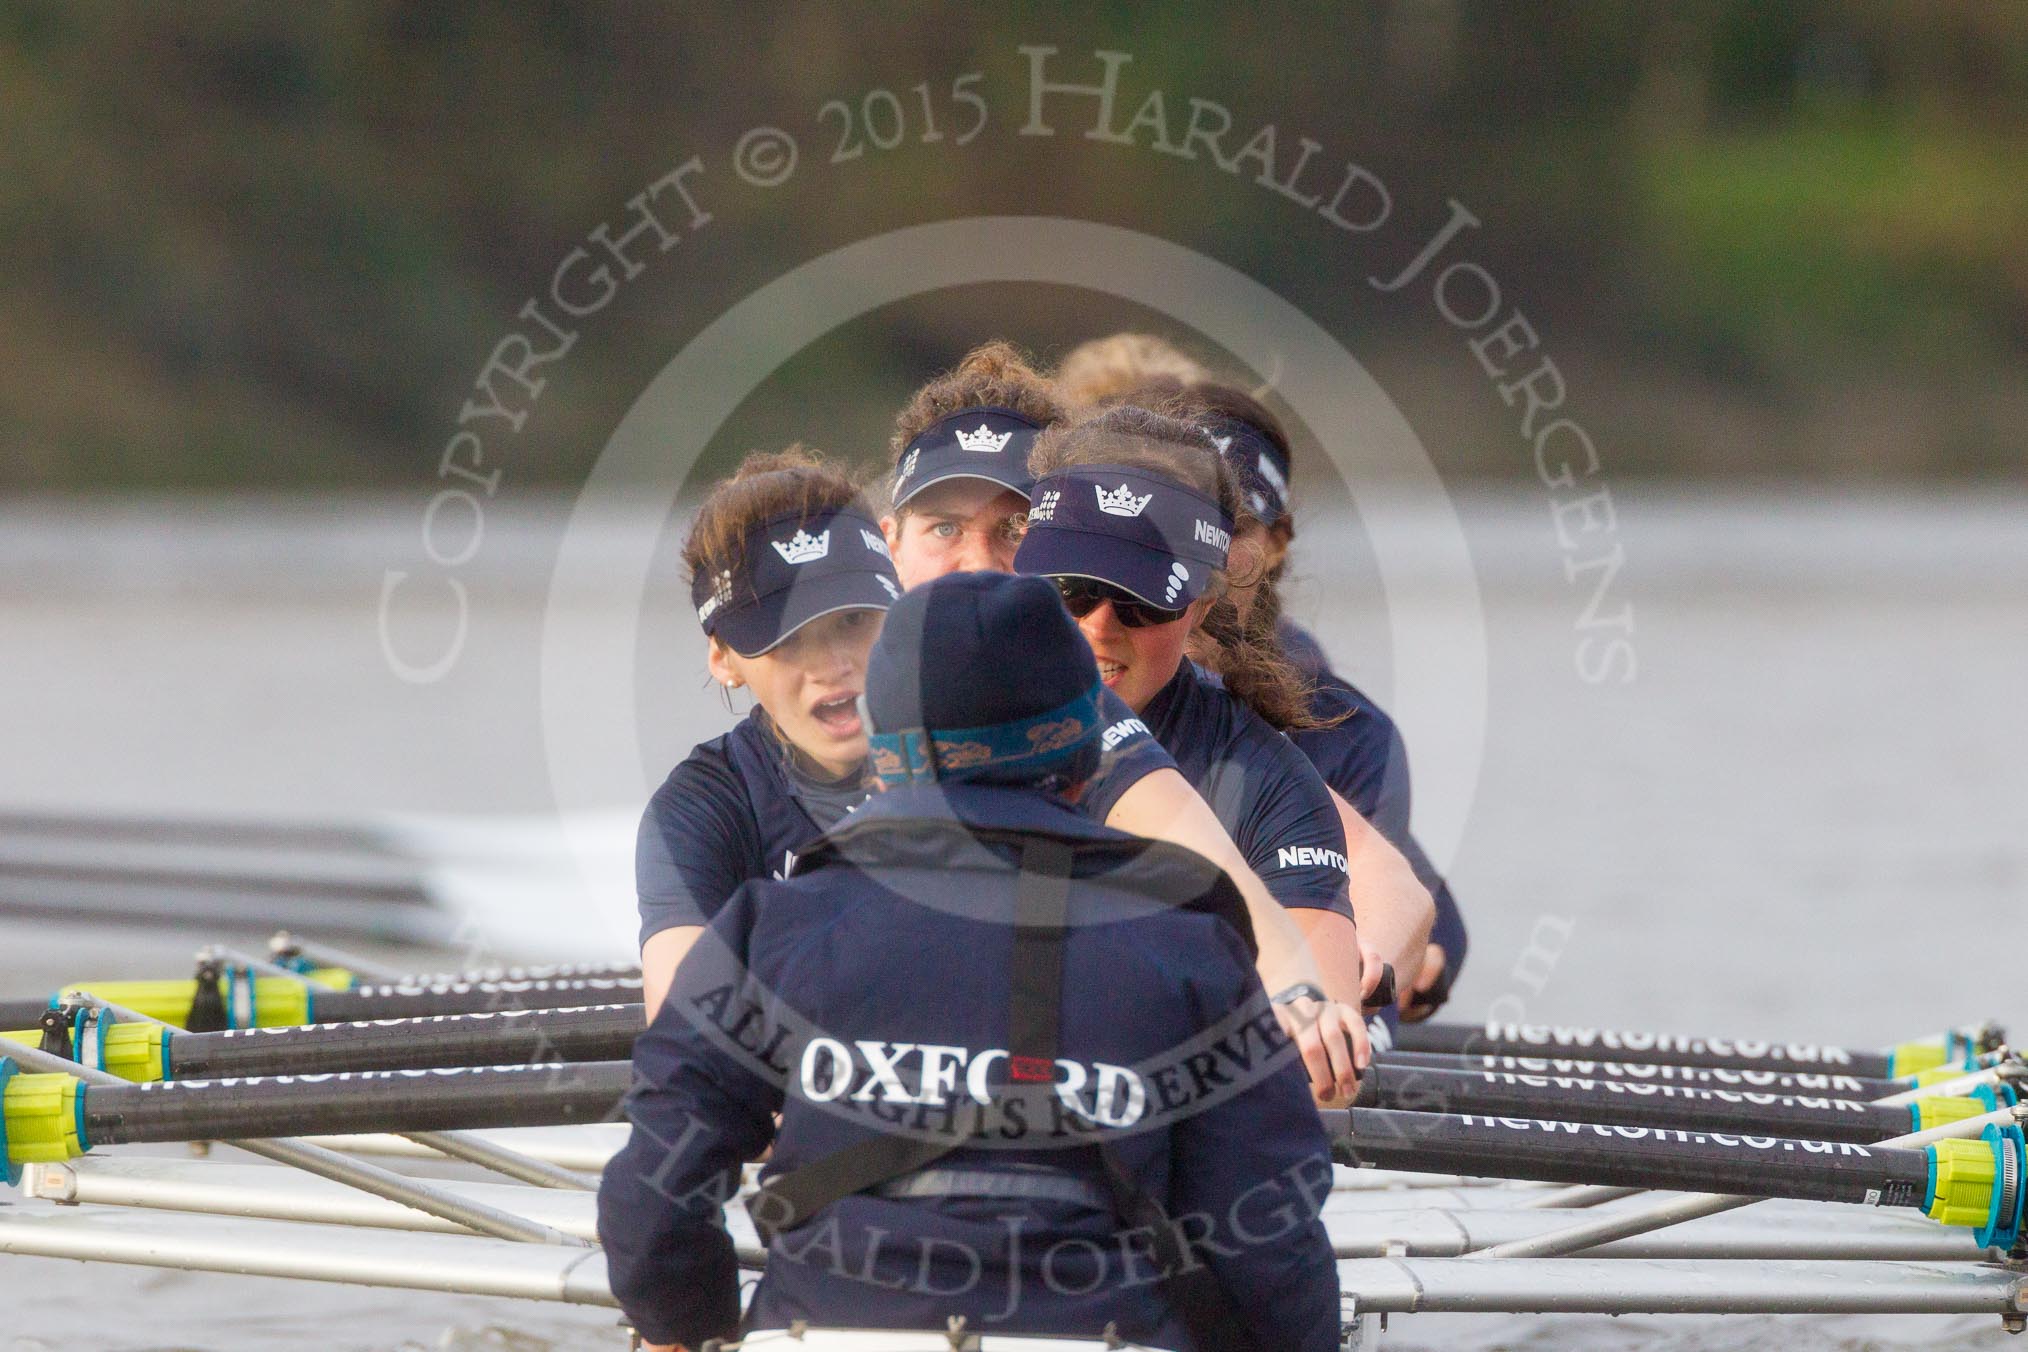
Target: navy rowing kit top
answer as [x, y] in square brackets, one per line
[880, 1001]
[1363, 757]
[1269, 798]
[740, 807]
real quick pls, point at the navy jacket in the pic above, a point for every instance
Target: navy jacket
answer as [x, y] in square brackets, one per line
[736, 809]
[1364, 758]
[894, 941]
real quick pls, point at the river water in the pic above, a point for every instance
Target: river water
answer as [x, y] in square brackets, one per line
[1802, 817]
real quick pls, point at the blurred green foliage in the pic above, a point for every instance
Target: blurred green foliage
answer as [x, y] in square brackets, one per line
[254, 245]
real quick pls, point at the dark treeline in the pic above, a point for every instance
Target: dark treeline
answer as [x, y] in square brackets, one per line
[271, 245]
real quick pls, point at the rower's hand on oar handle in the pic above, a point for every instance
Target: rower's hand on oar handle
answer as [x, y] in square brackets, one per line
[1431, 987]
[1331, 1036]
[1379, 987]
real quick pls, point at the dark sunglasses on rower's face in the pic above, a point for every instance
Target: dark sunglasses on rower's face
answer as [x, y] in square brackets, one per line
[1081, 596]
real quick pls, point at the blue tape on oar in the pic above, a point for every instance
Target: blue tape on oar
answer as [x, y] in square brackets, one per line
[9, 1170]
[2010, 1158]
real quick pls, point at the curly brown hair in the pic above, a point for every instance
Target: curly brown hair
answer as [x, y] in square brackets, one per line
[994, 375]
[767, 485]
[1244, 652]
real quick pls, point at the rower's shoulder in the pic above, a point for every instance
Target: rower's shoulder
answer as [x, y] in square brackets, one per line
[709, 784]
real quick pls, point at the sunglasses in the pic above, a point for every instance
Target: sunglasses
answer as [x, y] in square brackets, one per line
[1081, 596]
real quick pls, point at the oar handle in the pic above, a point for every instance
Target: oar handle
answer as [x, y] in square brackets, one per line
[1383, 992]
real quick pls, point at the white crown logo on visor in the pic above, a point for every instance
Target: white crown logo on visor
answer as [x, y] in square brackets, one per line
[803, 547]
[907, 465]
[1121, 501]
[984, 440]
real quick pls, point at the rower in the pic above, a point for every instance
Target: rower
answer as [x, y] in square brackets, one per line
[1354, 744]
[969, 1006]
[960, 502]
[789, 577]
[1133, 519]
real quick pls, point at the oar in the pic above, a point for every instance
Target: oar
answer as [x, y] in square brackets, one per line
[1955, 1047]
[250, 1000]
[300, 955]
[151, 1051]
[54, 1117]
[1633, 1103]
[40, 1110]
[1975, 1183]
[1699, 1077]
[111, 1038]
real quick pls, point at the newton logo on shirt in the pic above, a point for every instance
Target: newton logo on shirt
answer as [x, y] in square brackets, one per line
[1309, 856]
[1120, 731]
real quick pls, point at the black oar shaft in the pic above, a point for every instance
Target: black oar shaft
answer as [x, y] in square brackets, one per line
[21, 1013]
[557, 971]
[1464, 1039]
[1628, 1103]
[1644, 1157]
[366, 1101]
[506, 1037]
[1699, 1077]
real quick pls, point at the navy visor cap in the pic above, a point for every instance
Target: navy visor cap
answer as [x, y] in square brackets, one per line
[1261, 465]
[974, 443]
[796, 569]
[1141, 532]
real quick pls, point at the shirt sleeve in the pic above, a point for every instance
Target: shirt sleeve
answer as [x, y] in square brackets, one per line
[1362, 756]
[1128, 753]
[1289, 829]
[698, 1113]
[696, 845]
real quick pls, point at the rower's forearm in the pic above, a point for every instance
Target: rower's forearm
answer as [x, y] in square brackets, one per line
[1163, 806]
[1333, 943]
[660, 957]
[1393, 909]
[1395, 921]
[1283, 953]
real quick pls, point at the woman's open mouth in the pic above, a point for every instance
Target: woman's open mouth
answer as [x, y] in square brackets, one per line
[839, 717]
[1110, 671]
